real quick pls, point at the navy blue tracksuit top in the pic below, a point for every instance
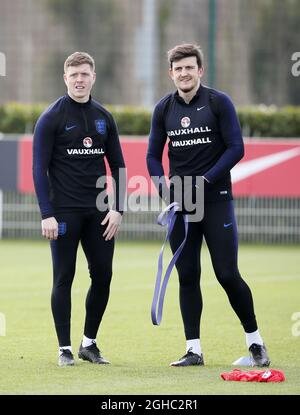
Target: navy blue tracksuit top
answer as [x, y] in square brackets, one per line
[204, 139]
[70, 142]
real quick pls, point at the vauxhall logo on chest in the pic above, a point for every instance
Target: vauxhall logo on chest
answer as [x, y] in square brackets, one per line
[186, 131]
[87, 143]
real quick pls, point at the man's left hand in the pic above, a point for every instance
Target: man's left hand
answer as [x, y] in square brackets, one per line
[113, 220]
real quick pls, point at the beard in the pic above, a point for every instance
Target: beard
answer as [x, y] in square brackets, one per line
[188, 88]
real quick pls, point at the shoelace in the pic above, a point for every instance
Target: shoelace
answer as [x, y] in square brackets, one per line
[67, 352]
[189, 353]
[257, 350]
[256, 347]
[93, 347]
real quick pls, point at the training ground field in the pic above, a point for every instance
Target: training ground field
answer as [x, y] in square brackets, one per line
[140, 353]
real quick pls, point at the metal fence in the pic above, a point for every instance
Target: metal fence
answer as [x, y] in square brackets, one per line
[133, 36]
[260, 220]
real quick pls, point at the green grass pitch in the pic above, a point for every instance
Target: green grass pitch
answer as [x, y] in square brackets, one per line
[140, 352]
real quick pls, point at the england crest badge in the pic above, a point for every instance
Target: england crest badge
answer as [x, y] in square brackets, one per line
[100, 126]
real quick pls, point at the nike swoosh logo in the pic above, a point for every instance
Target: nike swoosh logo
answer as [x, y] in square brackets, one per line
[252, 167]
[201, 108]
[226, 225]
[69, 128]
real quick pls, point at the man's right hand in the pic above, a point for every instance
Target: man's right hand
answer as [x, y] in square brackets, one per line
[50, 228]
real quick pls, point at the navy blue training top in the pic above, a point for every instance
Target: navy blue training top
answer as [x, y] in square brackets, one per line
[204, 136]
[70, 142]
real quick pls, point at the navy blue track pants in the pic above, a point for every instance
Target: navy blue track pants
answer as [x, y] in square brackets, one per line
[219, 229]
[85, 227]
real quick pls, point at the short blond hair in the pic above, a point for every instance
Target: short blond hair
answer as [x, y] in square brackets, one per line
[79, 58]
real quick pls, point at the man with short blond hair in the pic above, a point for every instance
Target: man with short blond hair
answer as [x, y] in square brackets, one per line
[71, 140]
[79, 58]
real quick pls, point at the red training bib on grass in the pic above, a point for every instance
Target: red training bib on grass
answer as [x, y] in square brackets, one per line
[269, 375]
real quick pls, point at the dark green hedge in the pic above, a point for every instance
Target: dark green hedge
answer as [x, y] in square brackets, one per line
[262, 121]
[258, 121]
